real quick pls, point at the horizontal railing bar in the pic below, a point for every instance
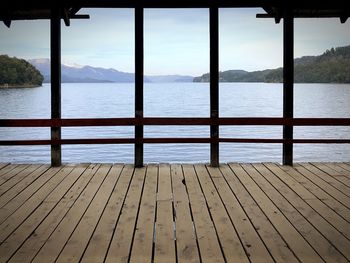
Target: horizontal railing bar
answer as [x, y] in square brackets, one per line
[303, 141]
[169, 140]
[173, 121]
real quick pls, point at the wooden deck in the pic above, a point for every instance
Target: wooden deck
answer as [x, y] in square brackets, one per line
[175, 213]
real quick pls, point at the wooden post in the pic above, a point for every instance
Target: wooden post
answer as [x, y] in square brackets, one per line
[214, 83]
[288, 82]
[55, 48]
[138, 83]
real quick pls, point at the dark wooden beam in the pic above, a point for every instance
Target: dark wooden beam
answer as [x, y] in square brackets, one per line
[74, 10]
[182, 3]
[297, 4]
[304, 15]
[214, 84]
[55, 47]
[5, 16]
[288, 82]
[343, 18]
[138, 84]
[144, 3]
[227, 121]
[8, 15]
[169, 140]
[7, 22]
[65, 14]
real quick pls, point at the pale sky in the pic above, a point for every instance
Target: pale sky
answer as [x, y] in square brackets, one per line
[176, 40]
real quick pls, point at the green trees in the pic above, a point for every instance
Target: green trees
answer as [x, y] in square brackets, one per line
[333, 66]
[16, 72]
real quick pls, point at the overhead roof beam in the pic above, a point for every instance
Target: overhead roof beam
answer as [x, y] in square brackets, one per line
[74, 10]
[7, 19]
[306, 16]
[343, 19]
[7, 22]
[65, 14]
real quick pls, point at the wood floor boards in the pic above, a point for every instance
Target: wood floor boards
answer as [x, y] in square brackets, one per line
[175, 213]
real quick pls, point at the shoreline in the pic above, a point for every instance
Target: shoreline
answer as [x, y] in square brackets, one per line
[19, 86]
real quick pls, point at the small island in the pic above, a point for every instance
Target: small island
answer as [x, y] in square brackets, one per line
[18, 73]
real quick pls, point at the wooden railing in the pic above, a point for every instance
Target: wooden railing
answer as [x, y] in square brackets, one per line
[59, 123]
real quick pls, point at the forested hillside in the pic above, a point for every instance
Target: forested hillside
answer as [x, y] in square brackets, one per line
[16, 72]
[333, 66]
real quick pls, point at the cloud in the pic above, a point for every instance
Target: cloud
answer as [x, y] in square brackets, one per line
[176, 40]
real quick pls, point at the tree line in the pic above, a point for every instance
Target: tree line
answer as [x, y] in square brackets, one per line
[18, 72]
[333, 66]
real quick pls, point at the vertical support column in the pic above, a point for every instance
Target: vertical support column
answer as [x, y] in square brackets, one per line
[214, 84]
[55, 48]
[288, 82]
[138, 84]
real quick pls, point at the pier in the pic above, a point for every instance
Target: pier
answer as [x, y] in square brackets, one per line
[216, 212]
[279, 10]
[175, 213]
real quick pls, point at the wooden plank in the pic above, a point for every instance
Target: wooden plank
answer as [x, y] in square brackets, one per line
[277, 246]
[142, 247]
[9, 171]
[208, 242]
[39, 225]
[17, 176]
[10, 167]
[229, 239]
[326, 241]
[328, 188]
[295, 241]
[331, 202]
[122, 237]
[57, 240]
[13, 221]
[26, 186]
[300, 197]
[346, 168]
[253, 244]
[61, 200]
[79, 239]
[335, 171]
[339, 168]
[21, 198]
[327, 178]
[2, 165]
[99, 242]
[187, 249]
[164, 234]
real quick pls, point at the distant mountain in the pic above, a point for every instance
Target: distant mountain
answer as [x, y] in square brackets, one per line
[333, 66]
[74, 73]
[170, 78]
[89, 74]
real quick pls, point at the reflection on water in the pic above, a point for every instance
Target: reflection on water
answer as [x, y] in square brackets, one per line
[102, 100]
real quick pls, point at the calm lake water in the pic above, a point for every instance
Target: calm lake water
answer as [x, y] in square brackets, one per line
[175, 100]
